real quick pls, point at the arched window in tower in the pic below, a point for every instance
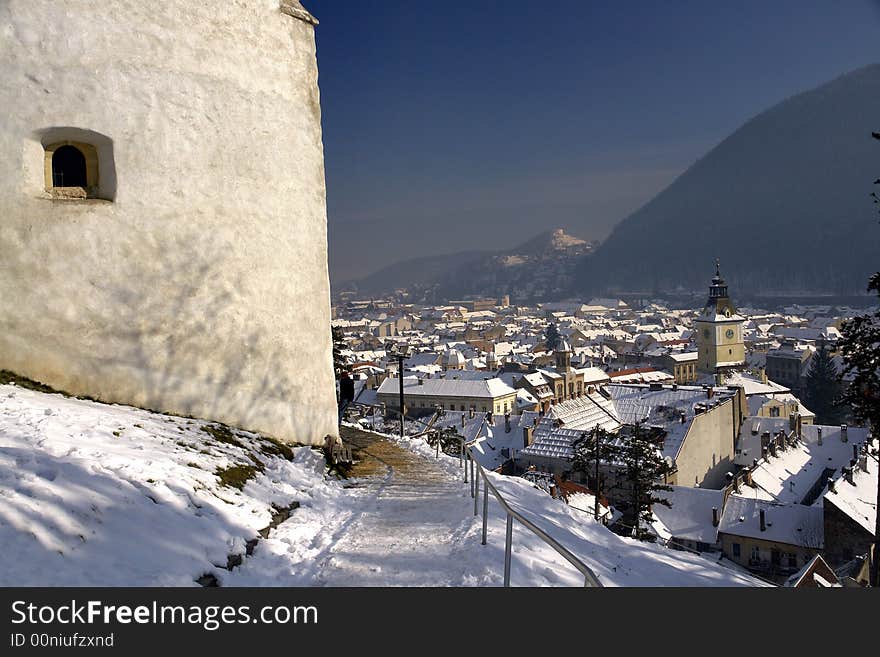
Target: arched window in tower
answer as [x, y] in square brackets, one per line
[69, 167]
[71, 170]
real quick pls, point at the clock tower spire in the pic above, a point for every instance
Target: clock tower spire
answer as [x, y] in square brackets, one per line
[719, 330]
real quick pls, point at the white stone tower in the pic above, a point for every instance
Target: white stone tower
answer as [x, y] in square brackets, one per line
[163, 238]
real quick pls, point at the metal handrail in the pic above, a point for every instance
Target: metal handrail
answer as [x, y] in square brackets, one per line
[477, 471]
[590, 578]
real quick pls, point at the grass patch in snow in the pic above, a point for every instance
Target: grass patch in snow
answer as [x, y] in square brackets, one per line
[237, 476]
[272, 447]
[222, 434]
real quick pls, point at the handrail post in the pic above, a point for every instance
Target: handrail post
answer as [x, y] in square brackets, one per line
[466, 457]
[485, 506]
[476, 490]
[473, 476]
[508, 544]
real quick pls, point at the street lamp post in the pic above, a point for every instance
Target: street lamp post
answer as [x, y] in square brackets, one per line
[401, 353]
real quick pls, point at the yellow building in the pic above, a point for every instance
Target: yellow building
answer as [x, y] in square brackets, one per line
[719, 330]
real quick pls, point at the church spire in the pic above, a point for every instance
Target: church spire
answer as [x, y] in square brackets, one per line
[718, 289]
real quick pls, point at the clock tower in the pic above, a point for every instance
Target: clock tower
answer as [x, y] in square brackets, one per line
[719, 330]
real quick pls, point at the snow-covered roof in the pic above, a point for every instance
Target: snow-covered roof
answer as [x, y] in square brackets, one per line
[594, 375]
[858, 500]
[663, 408]
[535, 379]
[584, 413]
[553, 442]
[525, 399]
[793, 524]
[489, 389]
[792, 474]
[752, 386]
[690, 516]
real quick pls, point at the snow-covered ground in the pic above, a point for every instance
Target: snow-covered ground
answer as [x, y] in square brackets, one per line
[105, 495]
[95, 494]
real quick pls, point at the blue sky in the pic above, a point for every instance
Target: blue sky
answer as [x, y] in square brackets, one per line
[450, 126]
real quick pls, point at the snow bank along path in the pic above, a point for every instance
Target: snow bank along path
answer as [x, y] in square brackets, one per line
[107, 495]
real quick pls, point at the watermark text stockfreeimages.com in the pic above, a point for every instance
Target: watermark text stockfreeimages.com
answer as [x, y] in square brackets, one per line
[209, 617]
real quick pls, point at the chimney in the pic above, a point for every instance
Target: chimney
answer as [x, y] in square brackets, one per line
[819, 433]
[748, 478]
[507, 423]
[462, 420]
[772, 448]
[843, 437]
[763, 376]
[831, 485]
[527, 436]
[714, 516]
[763, 520]
[710, 392]
[800, 426]
[792, 421]
[421, 382]
[848, 474]
[471, 412]
[855, 452]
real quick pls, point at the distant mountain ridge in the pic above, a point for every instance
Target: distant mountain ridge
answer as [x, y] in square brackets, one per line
[783, 202]
[545, 261]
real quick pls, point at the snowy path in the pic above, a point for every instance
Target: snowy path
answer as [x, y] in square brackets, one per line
[409, 533]
[403, 518]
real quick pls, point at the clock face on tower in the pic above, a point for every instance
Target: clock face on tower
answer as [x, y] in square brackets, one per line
[730, 334]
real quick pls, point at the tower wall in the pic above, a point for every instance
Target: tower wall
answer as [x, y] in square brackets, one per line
[196, 282]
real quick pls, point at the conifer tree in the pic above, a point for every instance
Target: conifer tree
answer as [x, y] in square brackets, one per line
[340, 362]
[822, 388]
[589, 455]
[551, 336]
[860, 348]
[643, 469]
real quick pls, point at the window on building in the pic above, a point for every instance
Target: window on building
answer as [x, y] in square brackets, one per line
[774, 411]
[735, 547]
[756, 553]
[792, 559]
[69, 167]
[71, 170]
